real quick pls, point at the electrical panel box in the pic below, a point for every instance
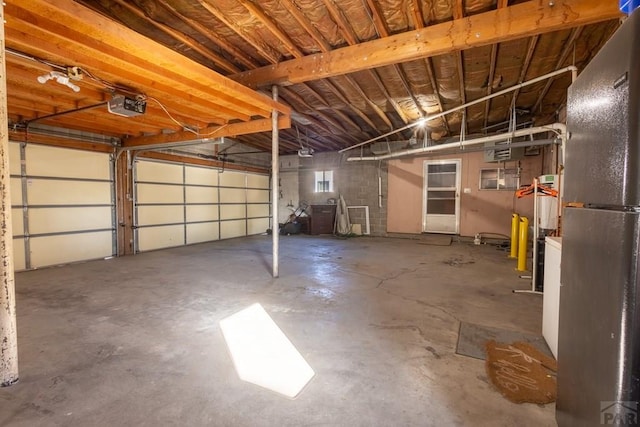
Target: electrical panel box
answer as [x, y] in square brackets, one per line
[125, 106]
[501, 152]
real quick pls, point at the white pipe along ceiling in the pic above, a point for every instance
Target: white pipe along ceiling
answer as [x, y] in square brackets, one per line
[559, 128]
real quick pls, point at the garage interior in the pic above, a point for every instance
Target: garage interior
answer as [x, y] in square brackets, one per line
[153, 146]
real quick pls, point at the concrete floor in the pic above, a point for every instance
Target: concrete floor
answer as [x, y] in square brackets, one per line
[136, 341]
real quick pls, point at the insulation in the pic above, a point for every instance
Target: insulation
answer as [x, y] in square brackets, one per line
[336, 112]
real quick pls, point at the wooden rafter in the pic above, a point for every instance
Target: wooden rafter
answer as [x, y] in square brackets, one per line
[272, 27]
[337, 92]
[338, 17]
[372, 104]
[307, 25]
[458, 9]
[463, 95]
[183, 38]
[266, 51]
[238, 54]
[376, 78]
[533, 42]
[568, 47]
[490, 78]
[290, 96]
[524, 19]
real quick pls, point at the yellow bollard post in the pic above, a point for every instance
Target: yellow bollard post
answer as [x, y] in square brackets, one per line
[523, 232]
[515, 219]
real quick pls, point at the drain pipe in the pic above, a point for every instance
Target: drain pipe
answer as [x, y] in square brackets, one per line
[572, 68]
[559, 128]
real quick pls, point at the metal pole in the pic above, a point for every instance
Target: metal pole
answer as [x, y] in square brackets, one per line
[275, 183]
[8, 330]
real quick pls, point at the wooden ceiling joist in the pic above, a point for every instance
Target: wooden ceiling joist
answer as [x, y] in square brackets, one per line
[67, 23]
[509, 23]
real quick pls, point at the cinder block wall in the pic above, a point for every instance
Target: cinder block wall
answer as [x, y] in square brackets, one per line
[357, 182]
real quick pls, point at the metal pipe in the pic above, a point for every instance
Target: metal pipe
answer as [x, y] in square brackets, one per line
[64, 113]
[275, 181]
[515, 219]
[8, 327]
[571, 68]
[523, 232]
[559, 128]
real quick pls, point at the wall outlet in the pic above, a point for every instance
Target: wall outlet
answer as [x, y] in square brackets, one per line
[467, 191]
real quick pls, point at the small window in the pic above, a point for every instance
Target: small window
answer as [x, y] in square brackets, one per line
[324, 181]
[499, 179]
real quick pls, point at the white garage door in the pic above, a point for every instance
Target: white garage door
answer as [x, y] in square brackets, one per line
[62, 205]
[177, 204]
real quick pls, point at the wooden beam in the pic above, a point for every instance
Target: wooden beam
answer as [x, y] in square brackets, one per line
[77, 26]
[510, 23]
[272, 27]
[502, 4]
[230, 130]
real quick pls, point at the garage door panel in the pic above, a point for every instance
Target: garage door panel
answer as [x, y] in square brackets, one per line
[160, 237]
[201, 176]
[17, 222]
[202, 232]
[258, 196]
[232, 179]
[232, 195]
[257, 211]
[202, 213]
[57, 192]
[61, 249]
[151, 215]
[232, 212]
[19, 262]
[15, 187]
[158, 193]
[257, 181]
[257, 226]
[201, 194]
[42, 160]
[229, 229]
[14, 158]
[59, 220]
[159, 172]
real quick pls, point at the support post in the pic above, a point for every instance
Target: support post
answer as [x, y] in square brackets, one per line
[515, 219]
[8, 329]
[275, 184]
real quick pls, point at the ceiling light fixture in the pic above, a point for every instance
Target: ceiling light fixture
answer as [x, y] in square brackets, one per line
[61, 78]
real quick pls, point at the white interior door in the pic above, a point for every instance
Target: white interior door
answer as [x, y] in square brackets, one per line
[441, 196]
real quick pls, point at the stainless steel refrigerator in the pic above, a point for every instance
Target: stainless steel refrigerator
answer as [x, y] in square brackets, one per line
[599, 331]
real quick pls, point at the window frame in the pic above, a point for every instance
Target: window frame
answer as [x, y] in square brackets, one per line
[501, 175]
[323, 176]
